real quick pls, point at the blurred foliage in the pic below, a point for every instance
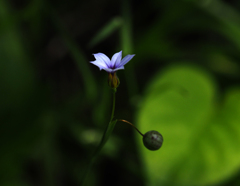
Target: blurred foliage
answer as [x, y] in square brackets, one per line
[55, 105]
[201, 134]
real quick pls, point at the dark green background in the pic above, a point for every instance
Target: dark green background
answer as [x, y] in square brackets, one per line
[183, 82]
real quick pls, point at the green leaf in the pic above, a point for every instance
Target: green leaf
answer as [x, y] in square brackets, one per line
[201, 138]
[106, 31]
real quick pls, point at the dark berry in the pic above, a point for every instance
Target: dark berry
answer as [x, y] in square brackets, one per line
[152, 140]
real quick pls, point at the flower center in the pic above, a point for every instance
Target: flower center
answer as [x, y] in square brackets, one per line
[112, 66]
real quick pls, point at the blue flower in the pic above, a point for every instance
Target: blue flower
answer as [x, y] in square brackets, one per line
[111, 66]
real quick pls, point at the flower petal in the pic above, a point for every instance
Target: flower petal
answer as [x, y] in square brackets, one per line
[116, 59]
[109, 70]
[120, 68]
[100, 64]
[126, 59]
[113, 70]
[102, 58]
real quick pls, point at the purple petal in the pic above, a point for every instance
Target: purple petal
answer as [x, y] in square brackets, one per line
[120, 68]
[126, 59]
[102, 58]
[100, 64]
[109, 70]
[116, 59]
[113, 70]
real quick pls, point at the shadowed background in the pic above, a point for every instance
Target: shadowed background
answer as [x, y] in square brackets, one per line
[183, 82]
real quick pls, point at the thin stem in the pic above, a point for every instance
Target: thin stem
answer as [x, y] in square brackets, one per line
[104, 139]
[125, 121]
[113, 106]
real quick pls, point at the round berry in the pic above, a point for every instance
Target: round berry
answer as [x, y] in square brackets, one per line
[152, 140]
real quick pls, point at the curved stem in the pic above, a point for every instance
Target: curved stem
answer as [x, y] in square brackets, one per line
[125, 121]
[104, 139]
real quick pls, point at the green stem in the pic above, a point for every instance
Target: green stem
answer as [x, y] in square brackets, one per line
[105, 137]
[113, 106]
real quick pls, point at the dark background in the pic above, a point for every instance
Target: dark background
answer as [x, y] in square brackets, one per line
[55, 105]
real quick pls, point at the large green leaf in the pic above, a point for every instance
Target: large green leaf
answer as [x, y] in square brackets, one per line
[201, 136]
